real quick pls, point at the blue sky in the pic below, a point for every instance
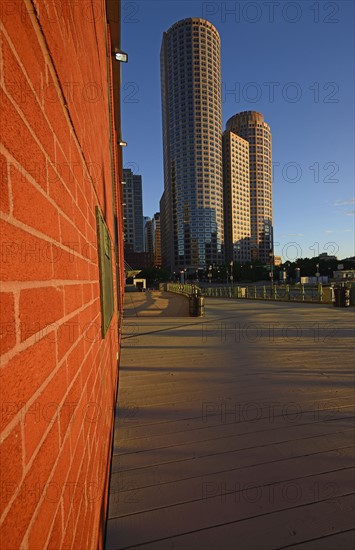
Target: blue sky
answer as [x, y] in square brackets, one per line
[291, 61]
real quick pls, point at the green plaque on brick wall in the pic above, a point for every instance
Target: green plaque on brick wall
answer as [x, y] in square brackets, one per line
[105, 271]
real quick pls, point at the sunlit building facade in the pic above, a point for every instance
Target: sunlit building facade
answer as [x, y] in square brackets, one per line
[251, 126]
[236, 186]
[192, 227]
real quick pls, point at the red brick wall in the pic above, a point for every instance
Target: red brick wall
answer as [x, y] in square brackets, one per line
[58, 160]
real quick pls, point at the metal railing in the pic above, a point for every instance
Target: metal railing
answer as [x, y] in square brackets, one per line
[284, 293]
[186, 290]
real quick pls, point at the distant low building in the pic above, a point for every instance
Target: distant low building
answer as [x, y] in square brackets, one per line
[314, 280]
[344, 275]
[137, 260]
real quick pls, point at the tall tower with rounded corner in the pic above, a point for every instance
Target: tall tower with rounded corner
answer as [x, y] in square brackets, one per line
[192, 203]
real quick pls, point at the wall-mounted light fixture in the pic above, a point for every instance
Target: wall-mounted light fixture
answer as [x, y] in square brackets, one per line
[123, 143]
[120, 56]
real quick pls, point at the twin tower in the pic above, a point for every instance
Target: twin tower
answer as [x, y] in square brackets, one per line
[217, 201]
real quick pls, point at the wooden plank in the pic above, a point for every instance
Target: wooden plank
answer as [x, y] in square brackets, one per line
[259, 524]
[311, 527]
[180, 477]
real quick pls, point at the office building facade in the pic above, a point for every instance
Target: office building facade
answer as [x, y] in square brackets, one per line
[156, 232]
[148, 238]
[251, 126]
[236, 186]
[133, 211]
[192, 226]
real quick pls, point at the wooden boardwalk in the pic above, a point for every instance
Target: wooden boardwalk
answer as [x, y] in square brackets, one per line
[236, 430]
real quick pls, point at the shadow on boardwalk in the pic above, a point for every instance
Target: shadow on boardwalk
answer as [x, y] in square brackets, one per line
[154, 303]
[234, 431]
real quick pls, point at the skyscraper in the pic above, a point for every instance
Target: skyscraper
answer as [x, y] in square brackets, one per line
[191, 207]
[156, 239]
[251, 126]
[148, 239]
[236, 186]
[133, 211]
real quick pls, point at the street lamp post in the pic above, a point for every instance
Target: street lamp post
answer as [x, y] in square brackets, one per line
[271, 255]
[231, 272]
[317, 273]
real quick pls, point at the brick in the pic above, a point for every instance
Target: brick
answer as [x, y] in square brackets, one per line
[72, 297]
[21, 32]
[56, 535]
[95, 290]
[61, 470]
[64, 264]
[87, 317]
[20, 90]
[42, 526]
[40, 307]
[68, 408]
[68, 232]
[81, 201]
[86, 293]
[11, 466]
[83, 268]
[21, 144]
[33, 486]
[46, 456]
[94, 272]
[59, 193]
[72, 196]
[75, 358]
[69, 532]
[41, 214]
[8, 324]
[74, 490]
[79, 220]
[88, 248]
[54, 110]
[42, 412]
[4, 186]
[76, 428]
[23, 256]
[68, 333]
[23, 375]
[80, 530]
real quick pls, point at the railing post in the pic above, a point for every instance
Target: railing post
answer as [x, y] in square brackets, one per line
[320, 292]
[264, 292]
